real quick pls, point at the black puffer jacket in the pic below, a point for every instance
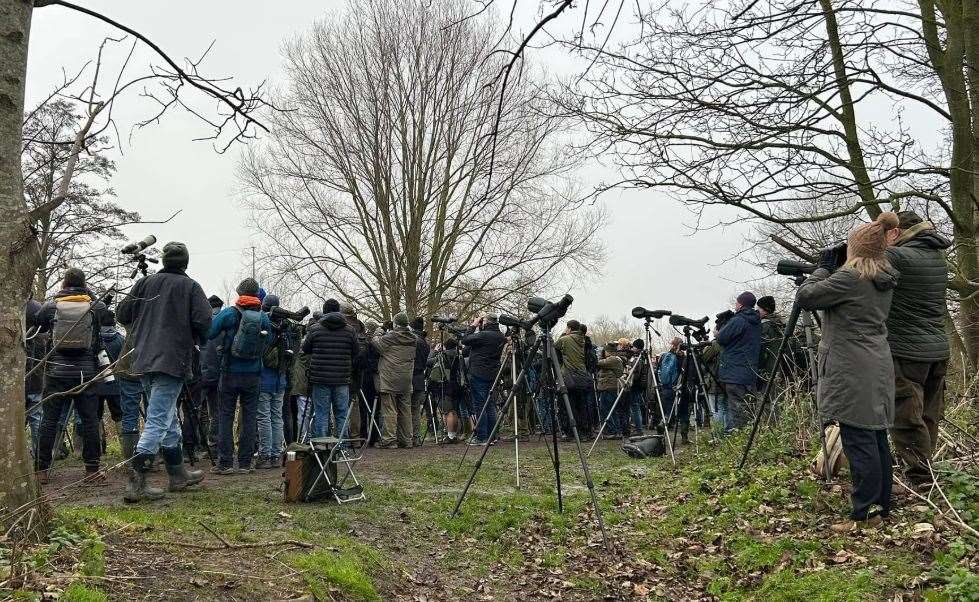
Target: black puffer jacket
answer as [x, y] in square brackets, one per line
[36, 348]
[916, 323]
[73, 366]
[422, 351]
[331, 345]
[485, 348]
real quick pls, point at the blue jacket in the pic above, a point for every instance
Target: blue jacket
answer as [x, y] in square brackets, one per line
[741, 342]
[211, 358]
[669, 369]
[226, 323]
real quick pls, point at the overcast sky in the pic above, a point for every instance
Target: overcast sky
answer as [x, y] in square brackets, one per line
[652, 258]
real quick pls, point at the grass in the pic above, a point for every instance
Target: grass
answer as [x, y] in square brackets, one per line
[756, 535]
[78, 592]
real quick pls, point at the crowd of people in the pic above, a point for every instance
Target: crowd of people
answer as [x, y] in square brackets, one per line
[242, 382]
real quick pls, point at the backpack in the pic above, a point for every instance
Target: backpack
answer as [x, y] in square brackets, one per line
[248, 343]
[441, 370]
[591, 358]
[74, 326]
[272, 356]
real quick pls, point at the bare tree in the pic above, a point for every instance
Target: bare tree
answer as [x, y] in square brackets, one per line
[769, 105]
[379, 182]
[20, 255]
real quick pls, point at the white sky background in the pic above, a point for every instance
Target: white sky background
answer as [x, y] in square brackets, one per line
[652, 259]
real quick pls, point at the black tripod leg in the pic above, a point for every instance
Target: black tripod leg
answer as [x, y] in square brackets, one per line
[789, 329]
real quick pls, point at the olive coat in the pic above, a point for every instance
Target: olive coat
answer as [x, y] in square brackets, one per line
[856, 372]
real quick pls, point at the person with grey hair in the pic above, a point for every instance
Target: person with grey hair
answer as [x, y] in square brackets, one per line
[396, 348]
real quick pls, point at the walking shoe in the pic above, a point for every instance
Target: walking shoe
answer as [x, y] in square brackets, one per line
[388, 445]
[477, 443]
[262, 463]
[611, 436]
[852, 526]
[244, 470]
[223, 470]
[94, 477]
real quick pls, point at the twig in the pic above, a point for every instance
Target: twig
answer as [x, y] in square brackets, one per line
[957, 522]
[229, 545]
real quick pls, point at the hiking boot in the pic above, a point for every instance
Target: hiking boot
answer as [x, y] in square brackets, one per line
[42, 477]
[684, 439]
[223, 470]
[853, 526]
[263, 463]
[127, 443]
[180, 477]
[137, 490]
[94, 477]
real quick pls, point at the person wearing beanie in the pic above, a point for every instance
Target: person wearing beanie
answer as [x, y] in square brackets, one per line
[856, 382]
[215, 302]
[73, 359]
[772, 330]
[610, 368]
[573, 346]
[396, 366]
[175, 256]
[737, 366]
[332, 348]
[638, 388]
[485, 345]
[166, 314]
[331, 306]
[272, 389]
[422, 351]
[243, 331]
[919, 342]
[210, 375]
[360, 411]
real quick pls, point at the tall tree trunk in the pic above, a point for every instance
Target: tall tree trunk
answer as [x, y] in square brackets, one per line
[17, 257]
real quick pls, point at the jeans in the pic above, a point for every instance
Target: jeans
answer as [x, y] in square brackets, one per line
[269, 415]
[481, 398]
[34, 412]
[130, 396]
[237, 388]
[635, 407]
[86, 406]
[605, 400]
[304, 416]
[718, 402]
[162, 427]
[871, 469]
[738, 412]
[325, 399]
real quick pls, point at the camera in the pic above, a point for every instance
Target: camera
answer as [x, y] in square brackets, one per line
[649, 314]
[678, 320]
[139, 246]
[278, 313]
[442, 320]
[549, 312]
[789, 267]
[724, 316]
[511, 321]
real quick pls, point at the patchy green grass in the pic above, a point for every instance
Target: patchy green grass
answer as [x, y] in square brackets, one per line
[78, 592]
[326, 572]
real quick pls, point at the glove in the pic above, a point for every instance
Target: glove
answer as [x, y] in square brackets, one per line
[827, 259]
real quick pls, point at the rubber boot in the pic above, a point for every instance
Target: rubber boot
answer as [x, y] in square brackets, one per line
[127, 445]
[180, 477]
[136, 489]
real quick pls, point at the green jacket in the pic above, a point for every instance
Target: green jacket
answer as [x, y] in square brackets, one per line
[609, 371]
[572, 348]
[772, 331]
[916, 323]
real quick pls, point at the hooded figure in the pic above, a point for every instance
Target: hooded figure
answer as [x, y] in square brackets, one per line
[856, 374]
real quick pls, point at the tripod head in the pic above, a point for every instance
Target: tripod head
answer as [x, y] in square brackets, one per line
[548, 312]
[141, 266]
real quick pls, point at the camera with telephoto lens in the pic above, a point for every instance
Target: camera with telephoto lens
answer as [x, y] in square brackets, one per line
[549, 312]
[678, 320]
[277, 314]
[796, 269]
[443, 320]
[649, 314]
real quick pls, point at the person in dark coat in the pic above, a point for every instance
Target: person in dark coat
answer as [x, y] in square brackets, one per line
[272, 389]
[360, 417]
[394, 383]
[67, 377]
[169, 315]
[210, 376]
[572, 346]
[240, 380]
[737, 366]
[108, 390]
[445, 385]
[856, 373]
[422, 351]
[331, 345]
[485, 347]
[919, 342]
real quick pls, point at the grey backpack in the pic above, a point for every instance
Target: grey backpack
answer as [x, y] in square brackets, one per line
[74, 326]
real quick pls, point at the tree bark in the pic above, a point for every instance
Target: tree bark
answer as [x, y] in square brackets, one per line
[17, 258]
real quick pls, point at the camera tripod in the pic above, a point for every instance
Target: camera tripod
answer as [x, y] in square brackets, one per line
[683, 389]
[808, 326]
[553, 383]
[644, 360]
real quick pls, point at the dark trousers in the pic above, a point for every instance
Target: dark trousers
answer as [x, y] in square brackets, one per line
[87, 408]
[579, 409]
[212, 401]
[871, 469]
[115, 408]
[919, 404]
[237, 389]
[682, 412]
[290, 409]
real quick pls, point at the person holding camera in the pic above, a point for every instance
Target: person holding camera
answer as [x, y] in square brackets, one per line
[395, 370]
[169, 315]
[919, 342]
[856, 384]
[245, 331]
[422, 351]
[572, 347]
[715, 388]
[276, 361]
[72, 317]
[445, 383]
[610, 367]
[485, 346]
[737, 366]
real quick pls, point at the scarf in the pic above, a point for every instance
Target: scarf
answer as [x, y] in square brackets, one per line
[249, 302]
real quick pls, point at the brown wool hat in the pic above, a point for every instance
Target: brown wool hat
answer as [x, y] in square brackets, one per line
[869, 240]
